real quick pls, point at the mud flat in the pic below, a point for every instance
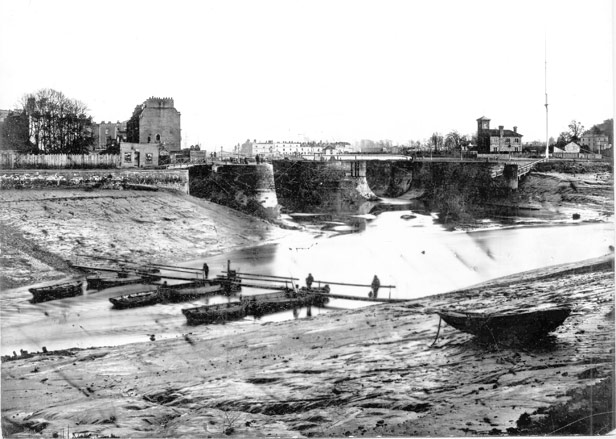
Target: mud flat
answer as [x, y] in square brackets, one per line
[554, 192]
[367, 372]
[41, 229]
[564, 189]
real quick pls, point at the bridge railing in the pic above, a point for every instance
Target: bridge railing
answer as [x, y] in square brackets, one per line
[522, 170]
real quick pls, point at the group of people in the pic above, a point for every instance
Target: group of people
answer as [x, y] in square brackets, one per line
[376, 283]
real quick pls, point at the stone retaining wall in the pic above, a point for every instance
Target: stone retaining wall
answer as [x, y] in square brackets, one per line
[103, 178]
[306, 186]
[248, 188]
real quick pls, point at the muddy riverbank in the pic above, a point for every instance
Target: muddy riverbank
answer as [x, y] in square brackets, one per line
[367, 372]
[41, 229]
[554, 192]
[358, 372]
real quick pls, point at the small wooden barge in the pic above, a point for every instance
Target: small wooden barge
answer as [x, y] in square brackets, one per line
[257, 305]
[516, 324]
[168, 293]
[96, 282]
[261, 304]
[183, 293]
[58, 291]
[134, 300]
[219, 313]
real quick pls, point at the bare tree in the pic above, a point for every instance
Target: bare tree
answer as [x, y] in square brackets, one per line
[57, 124]
[576, 129]
[437, 141]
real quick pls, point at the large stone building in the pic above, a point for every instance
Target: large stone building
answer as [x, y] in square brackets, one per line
[595, 142]
[495, 141]
[155, 121]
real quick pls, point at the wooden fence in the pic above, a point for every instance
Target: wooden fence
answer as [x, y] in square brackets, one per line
[576, 155]
[58, 161]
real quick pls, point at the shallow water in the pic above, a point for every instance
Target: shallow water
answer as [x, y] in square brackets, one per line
[404, 247]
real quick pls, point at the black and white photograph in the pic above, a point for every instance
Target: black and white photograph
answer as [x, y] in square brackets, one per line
[307, 218]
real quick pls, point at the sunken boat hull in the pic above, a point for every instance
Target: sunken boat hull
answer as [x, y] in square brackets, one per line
[54, 292]
[522, 325]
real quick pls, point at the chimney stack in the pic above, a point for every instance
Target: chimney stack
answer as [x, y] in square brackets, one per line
[500, 130]
[515, 129]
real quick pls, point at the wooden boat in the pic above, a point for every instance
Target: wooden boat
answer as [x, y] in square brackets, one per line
[268, 303]
[513, 324]
[257, 305]
[59, 291]
[182, 293]
[134, 300]
[96, 282]
[219, 313]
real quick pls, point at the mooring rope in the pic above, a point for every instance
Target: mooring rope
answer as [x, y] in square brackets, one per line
[438, 331]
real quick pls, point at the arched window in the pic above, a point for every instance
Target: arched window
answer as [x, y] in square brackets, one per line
[158, 137]
[149, 139]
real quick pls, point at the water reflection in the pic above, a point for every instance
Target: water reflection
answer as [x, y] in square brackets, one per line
[401, 243]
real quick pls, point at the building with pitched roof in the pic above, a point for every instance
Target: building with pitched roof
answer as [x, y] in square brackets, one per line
[572, 147]
[497, 141]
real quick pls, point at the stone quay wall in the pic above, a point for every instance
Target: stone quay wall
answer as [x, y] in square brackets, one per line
[306, 186]
[247, 188]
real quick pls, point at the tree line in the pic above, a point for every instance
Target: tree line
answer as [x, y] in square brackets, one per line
[48, 122]
[575, 131]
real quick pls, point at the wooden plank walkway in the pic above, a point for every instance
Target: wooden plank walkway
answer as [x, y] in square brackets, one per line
[361, 298]
[522, 169]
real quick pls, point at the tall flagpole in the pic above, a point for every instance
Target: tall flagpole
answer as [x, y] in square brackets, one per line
[547, 139]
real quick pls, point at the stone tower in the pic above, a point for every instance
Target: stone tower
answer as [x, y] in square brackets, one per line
[155, 121]
[483, 135]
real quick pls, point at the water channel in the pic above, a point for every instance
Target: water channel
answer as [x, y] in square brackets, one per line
[402, 244]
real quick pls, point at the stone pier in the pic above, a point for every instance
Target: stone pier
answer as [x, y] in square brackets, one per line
[248, 188]
[332, 185]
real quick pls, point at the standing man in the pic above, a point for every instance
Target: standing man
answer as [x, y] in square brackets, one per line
[206, 270]
[309, 280]
[376, 284]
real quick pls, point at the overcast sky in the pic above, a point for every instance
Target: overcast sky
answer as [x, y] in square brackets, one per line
[321, 70]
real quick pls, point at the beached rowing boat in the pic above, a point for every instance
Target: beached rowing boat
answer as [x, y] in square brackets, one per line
[520, 323]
